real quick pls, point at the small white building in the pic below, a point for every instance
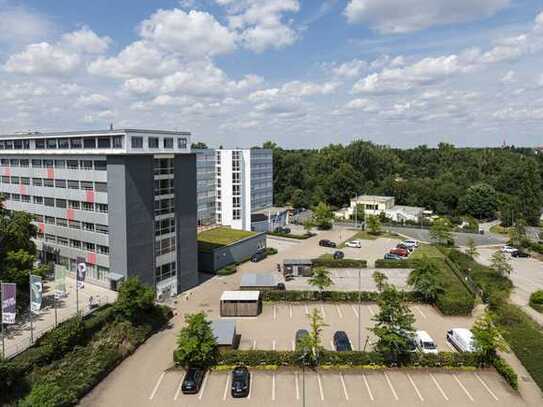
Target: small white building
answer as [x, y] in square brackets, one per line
[375, 205]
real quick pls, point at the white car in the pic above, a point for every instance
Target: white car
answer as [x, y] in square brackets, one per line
[411, 243]
[461, 339]
[508, 249]
[357, 244]
[425, 343]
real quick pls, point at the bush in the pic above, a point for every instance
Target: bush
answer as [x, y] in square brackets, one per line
[134, 300]
[292, 235]
[507, 372]
[270, 251]
[393, 264]
[339, 263]
[329, 296]
[226, 271]
[536, 300]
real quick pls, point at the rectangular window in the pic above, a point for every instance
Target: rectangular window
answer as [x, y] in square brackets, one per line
[24, 163]
[48, 163]
[76, 143]
[100, 165]
[15, 197]
[62, 241]
[182, 142]
[100, 186]
[49, 201]
[103, 208]
[17, 144]
[38, 182]
[50, 238]
[25, 180]
[104, 142]
[14, 162]
[137, 142]
[60, 164]
[51, 143]
[40, 144]
[88, 226]
[103, 229]
[75, 243]
[62, 222]
[8, 144]
[63, 143]
[87, 185]
[60, 183]
[152, 142]
[168, 142]
[15, 180]
[25, 198]
[102, 249]
[73, 184]
[38, 200]
[48, 182]
[74, 204]
[117, 141]
[86, 165]
[91, 247]
[89, 142]
[61, 203]
[74, 224]
[50, 220]
[72, 164]
[87, 206]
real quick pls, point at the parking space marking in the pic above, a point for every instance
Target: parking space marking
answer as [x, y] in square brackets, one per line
[203, 389]
[420, 311]
[323, 312]
[297, 386]
[371, 310]
[415, 387]
[273, 387]
[226, 386]
[290, 310]
[439, 387]
[339, 313]
[155, 389]
[486, 386]
[254, 344]
[178, 388]
[306, 309]
[451, 347]
[273, 344]
[274, 312]
[367, 386]
[332, 345]
[344, 386]
[293, 346]
[321, 390]
[354, 310]
[391, 387]
[463, 387]
[251, 389]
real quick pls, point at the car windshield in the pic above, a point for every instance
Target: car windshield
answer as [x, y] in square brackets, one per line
[239, 374]
[428, 345]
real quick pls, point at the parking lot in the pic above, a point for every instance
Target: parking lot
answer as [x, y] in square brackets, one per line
[276, 327]
[404, 387]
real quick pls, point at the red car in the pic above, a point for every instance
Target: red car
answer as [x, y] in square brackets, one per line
[399, 252]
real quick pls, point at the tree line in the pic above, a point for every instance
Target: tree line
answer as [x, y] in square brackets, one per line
[480, 182]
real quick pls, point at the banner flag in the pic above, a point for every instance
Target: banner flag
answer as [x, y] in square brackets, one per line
[36, 290]
[81, 272]
[60, 281]
[9, 310]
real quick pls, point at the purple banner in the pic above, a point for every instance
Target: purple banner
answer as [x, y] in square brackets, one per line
[9, 292]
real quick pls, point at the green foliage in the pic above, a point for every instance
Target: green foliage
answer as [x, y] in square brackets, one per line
[322, 216]
[441, 231]
[227, 270]
[308, 226]
[330, 262]
[425, 279]
[393, 323]
[480, 201]
[134, 300]
[381, 280]
[536, 300]
[507, 372]
[320, 279]
[500, 264]
[196, 345]
[313, 341]
[329, 296]
[292, 235]
[517, 233]
[394, 264]
[373, 224]
[487, 338]
[471, 250]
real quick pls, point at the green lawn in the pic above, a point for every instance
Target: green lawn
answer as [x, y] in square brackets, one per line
[364, 235]
[500, 230]
[221, 236]
[426, 250]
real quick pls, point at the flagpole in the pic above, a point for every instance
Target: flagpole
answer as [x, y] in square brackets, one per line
[31, 326]
[77, 287]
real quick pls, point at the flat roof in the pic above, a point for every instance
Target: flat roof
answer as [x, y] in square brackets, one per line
[224, 331]
[221, 236]
[240, 296]
[258, 280]
[374, 198]
[307, 262]
[273, 210]
[38, 134]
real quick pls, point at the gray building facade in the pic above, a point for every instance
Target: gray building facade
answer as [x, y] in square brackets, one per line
[206, 185]
[121, 201]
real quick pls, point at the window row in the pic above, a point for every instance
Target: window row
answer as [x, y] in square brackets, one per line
[56, 183]
[62, 143]
[98, 165]
[165, 271]
[76, 244]
[164, 246]
[72, 224]
[57, 203]
[154, 142]
[164, 226]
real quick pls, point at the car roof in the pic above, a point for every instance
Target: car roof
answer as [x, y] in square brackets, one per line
[423, 335]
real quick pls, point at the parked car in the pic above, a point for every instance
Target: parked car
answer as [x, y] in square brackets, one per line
[425, 343]
[519, 253]
[300, 335]
[390, 256]
[461, 339]
[193, 380]
[326, 243]
[405, 247]
[410, 242]
[259, 255]
[282, 229]
[399, 252]
[411, 340]
[241, 382]
[341, 342]
[356, 244]
[338, 255]
[281, 286]
[508, 249]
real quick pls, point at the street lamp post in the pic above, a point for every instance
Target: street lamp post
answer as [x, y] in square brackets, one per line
[359, 306]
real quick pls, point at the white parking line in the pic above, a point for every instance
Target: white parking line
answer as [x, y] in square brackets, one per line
[155, 389]
[439, 387]
[273, 387]
[344, 386]
[451, 347]
[332, 345]
[273, 344]
[415, 387]
[203, 389]
[254, 344]
[306, 310]
[293, 346]
[321, 390]
[290, 310]
[251, 385]
[420, 311]
[226, 386]
[178, 388]
[354, 310]
[463, 387]
[486, 387]
[391, 387]
[340, 314]
[367, 386]
[297, 386]
[323, 312]
[274, 312]
[371, 310]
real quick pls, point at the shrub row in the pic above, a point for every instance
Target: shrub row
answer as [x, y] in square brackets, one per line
[507, 372]
[394, 264]
[227, 270]
[339, 263]
[329, 296]
[536, 300]
[292, 235]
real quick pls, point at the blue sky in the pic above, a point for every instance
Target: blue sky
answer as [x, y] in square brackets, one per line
[301, 73]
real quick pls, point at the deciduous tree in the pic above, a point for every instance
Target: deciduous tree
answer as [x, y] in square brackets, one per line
[196, 344]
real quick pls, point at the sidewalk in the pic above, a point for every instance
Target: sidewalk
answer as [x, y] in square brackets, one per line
[18, 336]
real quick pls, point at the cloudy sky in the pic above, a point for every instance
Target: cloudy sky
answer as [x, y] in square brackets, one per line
[302, 73]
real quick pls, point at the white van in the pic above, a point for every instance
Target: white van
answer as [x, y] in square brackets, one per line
[425, 343]
[461, 339]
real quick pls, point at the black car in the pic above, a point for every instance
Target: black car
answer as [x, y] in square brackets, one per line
[241, 382]
[519, 253]
[193, 380]
[326, 243]
[259, 255]
[282, 229]
[300, 335]
[341, 342]
[338, 255]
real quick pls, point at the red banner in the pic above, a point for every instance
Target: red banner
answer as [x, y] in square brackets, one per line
[41, 227]
[7, 172]
[70, 214]
[50, 173]
[91, 258]
[90, 196]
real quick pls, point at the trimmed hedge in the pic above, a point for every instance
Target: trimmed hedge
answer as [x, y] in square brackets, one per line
[339, 263]
[507, 372]
[394, 264]
[536, 300]
[292, 236]
[329, 296]
[226, 271]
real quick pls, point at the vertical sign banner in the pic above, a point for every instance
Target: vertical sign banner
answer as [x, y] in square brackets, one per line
[60, 281]
[9, 291]
[81, 272]
[36, 290]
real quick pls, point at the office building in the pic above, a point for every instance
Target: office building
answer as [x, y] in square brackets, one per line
[206, 184]
[121, 201]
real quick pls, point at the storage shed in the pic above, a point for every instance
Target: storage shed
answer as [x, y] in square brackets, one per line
[298, 267]
[224, 332]
[258, 281]
[241, 304]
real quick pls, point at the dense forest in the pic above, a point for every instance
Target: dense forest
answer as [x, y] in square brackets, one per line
[450, 181]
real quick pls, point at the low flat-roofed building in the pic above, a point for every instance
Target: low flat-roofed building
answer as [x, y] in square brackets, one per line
[224, 331]
[298, 267]
[258, 281]
[241, 304]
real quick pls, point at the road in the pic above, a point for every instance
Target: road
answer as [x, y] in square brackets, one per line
[461, 239]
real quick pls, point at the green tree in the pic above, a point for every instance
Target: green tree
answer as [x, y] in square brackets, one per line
[320, 279]
[471, 249]
[373, 224]
[500, 264]
[480, 201]
[308, 226]
[425, 279]
[517, 234]
[312, 343]
[196, 344]
[380, 279]
[199, 146]
[358, 213]
[393, 324]
[487, 338]
[134, 300]
[322, 216]
[441, 231]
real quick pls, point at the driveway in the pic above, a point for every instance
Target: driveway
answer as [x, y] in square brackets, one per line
[461, 239]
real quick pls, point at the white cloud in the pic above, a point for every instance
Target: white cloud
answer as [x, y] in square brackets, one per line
[509, 77]
[400, 16]
[298, 88]
[43, 58]
[350, 69]
[20, 25]
[86, 41]
[94, 100]
[365, 105]
[519, 113]
[195, 33]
